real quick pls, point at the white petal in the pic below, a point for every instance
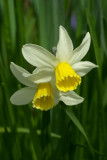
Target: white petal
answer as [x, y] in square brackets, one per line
[56, 94]
[71, 98]
[23, 96]
[56, 99]
[82, 68]
[41, 75]
[19, 74]
[80, 51]
[38, 56]
[65, 46]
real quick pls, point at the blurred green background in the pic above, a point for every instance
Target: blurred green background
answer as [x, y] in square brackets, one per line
[30, 134]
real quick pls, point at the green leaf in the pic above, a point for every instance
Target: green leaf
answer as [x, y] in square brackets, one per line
[72, 116]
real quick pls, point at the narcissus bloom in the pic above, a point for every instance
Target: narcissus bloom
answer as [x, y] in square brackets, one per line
[40, 90]
[66, 66]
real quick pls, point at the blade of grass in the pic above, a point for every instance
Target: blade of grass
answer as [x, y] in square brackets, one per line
[72, 116]
[100, 111]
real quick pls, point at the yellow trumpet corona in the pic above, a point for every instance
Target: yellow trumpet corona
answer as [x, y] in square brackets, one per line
[43, 98]
[66, 78]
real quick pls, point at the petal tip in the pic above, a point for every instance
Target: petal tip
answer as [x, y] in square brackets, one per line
[82, 99]
[12, 100]
[97, 66]
[11, 63]
[88, 35]
[61, 28]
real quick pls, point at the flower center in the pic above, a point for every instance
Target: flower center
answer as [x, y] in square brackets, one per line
[66, 78]
[43, 98]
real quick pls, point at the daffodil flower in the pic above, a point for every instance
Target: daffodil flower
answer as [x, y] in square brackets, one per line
[40, 90]
[66, 66]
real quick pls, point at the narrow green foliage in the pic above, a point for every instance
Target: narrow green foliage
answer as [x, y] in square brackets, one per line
[72, 116]
[72, 133]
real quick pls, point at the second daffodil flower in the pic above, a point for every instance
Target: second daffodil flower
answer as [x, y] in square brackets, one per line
[41, 90]
[66, 66]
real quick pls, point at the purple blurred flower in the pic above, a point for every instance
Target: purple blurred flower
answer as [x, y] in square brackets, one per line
[73, 21]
